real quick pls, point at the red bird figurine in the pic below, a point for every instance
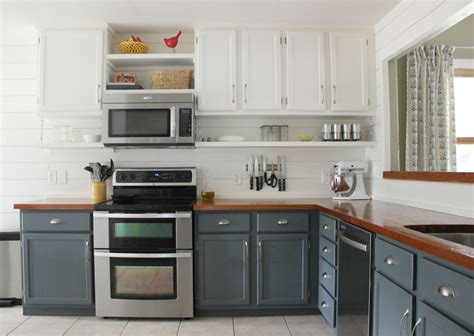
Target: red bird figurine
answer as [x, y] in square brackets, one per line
[172, 42]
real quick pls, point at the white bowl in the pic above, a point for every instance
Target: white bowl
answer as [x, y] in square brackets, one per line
[92, 138]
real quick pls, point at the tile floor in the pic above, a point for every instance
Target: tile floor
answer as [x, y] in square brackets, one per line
[12, 322]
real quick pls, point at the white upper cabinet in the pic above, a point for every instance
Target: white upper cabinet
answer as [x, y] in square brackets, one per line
[349, 75]
[305, 71]
[216, 70]
[261, 70]
[70, 71]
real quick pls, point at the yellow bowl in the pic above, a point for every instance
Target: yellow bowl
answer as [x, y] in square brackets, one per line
[305, 137]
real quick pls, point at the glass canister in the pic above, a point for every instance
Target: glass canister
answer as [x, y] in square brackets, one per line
[275, 133]
[265, 133]
[283, 132]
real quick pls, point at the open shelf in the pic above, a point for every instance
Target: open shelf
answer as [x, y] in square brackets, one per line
[149, 60]
[286, 144]
[70, 145]
[70, 115]
[286, 113]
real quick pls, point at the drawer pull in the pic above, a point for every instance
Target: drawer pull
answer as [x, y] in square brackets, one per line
[325, 275]
[326, 227]
[325, 249]
[224, 222]
[283, 222]
[55, 221]
[418, 322]
[389, 260]
[407, 312]
[446, 291]
[324, 304]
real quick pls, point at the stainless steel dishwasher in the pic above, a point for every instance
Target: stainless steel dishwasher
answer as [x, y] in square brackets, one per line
[10, 268]
[354, 281]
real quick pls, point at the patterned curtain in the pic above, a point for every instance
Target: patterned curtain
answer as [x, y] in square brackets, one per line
[430, 132]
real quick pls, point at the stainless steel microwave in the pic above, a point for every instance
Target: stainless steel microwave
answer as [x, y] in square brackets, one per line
[153, 120]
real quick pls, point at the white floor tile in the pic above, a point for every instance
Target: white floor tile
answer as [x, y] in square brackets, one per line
[158, 329]
[40, 330]
[5, 328]
[222, 321]
[262, 330]
[69, 320]
[85, 320]
[297, 319]
[12, 314]
[95, 330]
[252, 320]
[163, 322]
[310, 329]
[205, 330]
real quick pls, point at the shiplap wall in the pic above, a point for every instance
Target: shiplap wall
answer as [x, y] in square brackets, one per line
[24, 166]
[406, 25]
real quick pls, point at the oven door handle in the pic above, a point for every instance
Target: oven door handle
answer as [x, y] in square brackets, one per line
[173, 121]
[101, 254]
[144, 215]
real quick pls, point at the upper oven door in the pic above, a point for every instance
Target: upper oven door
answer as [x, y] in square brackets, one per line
[146, 123]
[143, 231]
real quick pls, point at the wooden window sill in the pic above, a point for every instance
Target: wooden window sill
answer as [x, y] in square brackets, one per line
[453, 177]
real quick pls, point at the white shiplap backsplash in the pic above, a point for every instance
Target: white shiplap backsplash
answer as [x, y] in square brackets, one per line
[24, 166]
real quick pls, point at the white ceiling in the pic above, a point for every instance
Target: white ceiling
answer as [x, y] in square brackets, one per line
[187, 14]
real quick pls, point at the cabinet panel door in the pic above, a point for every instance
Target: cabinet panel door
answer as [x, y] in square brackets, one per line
[261, 65]
[305, 71]
[392, 309]
[349, 75]
[57, 268]
[223, 268]
[282, 269]
[70, 70]
[216, 70]
[429, 322]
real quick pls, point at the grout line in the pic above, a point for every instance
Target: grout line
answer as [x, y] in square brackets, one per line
[179, 327]
[286, 323]
[233, 325]
[19, 324]
[77, 319]
[121, 332]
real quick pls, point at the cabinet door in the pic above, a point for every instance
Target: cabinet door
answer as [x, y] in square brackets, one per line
[70, 70]
[261, 65]
[57, 268]
[349, 75]
[305, 71]
[223, 267]
[393, 307]
[216, 70]
[282, 269]
[429, 322]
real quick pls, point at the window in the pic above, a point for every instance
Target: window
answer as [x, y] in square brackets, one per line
[464, 105]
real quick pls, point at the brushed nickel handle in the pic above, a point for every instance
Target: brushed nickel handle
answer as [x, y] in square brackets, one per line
[324, 304]
[389, 260]
[403, 319]
[86, 247]
[446, 291]
[260, 252]
[246, 244]
[55, 221]
[283, 222]
[326, 227]
[233, 93]
[245, 92]
[224, 222]
[322, 94]
[147, 97]
[325, 275]
[334, 94]
[418, 322]
[325, 249]
[98, 93]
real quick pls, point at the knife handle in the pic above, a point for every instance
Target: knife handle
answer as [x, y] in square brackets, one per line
[283, 187]
[279, 185]
[251, 183]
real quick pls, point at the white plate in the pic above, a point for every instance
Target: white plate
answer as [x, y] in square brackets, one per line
[231, 138]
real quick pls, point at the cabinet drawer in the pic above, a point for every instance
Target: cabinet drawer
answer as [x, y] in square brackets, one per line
[327, 250]
[56, 221]
[282, 222]
[448, 290]
[224, 222]
[327, 306]
[327, 276]
[327, 227]
[394, 262]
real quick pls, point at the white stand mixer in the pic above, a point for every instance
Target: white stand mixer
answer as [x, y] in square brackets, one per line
[339, 185]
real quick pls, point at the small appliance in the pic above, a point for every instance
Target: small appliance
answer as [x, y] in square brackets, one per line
[347, 182]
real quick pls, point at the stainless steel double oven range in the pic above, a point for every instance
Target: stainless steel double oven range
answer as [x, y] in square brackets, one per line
[143, 244]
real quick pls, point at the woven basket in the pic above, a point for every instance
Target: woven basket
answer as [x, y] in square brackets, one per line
[171, 79]
[127, 47]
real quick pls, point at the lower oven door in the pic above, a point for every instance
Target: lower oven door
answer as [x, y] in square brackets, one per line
[144, 284]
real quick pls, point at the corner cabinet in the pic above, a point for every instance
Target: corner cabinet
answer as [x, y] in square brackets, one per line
[261, 70]
[349, 73]
[216, 70]
[70, 77]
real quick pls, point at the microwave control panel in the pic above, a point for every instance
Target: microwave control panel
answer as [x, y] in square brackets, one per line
[185, 123]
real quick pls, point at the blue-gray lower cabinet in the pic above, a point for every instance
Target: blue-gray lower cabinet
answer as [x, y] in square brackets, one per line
[392, 307]
[429, 322]
[282, 269]
[57, 269]
[223, 269]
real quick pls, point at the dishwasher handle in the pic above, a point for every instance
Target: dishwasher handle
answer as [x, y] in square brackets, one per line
[355, 244]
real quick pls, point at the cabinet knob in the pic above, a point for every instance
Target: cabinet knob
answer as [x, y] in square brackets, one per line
[326, 227]
[283, 222]
[55, 221]
[389, 260]
[224, 222]
[325, 275]
[324, 304]
[446, 291]
[325, 249]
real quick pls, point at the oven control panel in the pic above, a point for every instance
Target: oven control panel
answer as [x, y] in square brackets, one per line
[153, 176]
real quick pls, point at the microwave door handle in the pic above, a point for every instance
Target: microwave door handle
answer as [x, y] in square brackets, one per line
[145, 215]
[173, 122]
[104, 254]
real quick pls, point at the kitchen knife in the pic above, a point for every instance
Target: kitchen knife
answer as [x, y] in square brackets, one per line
[265, 177]
[250, 171]
[256, 172]
[279, 172]
[262, 170]
[283, 173]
